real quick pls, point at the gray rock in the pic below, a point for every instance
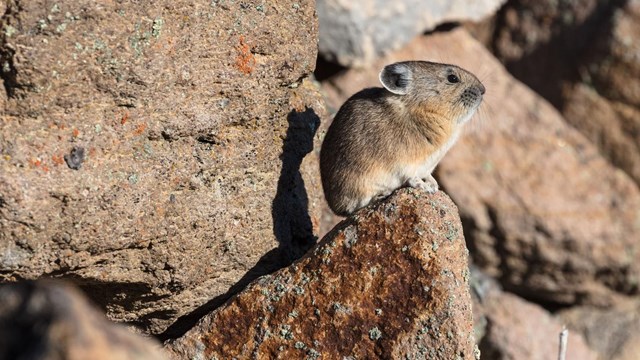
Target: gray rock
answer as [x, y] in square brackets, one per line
[354, 33]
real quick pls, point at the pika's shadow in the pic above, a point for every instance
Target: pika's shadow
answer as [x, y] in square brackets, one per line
[292, 225]
[290, 209]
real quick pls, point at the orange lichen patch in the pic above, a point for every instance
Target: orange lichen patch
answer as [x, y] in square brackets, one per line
[140, 129]
[124, 118]
[245, 61]
[38, 163]
[35, 162]
[57, 160]
[76, 133]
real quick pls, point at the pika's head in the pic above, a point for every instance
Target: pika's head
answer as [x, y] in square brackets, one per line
[445, 89]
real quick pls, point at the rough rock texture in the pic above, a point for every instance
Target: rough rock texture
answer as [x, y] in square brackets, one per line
[52, 321]
[517, 329]
[544, 212]
[357, 32]
[391, 282]
[614, 333]
[613, 126]
[541, 42]
[605, 105]
[150, 151]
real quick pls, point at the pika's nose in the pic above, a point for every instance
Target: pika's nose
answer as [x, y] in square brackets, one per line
[481, 88]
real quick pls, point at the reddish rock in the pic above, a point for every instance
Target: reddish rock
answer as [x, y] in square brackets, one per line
[47, 320]
[605, 105]
[152, 152]
[542, 42]
[614, 332]
[517, 330]
[389, 282]
[612, 65]
[544, 212]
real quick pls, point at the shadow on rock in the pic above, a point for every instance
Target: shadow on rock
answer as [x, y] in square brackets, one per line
[292, 225]
[290, 212]
[268, 263]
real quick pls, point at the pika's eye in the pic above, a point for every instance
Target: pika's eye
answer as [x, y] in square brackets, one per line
[452, 78]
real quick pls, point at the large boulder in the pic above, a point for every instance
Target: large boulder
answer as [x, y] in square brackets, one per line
[544, 212]
[390, 282]
[152, 152]
[358, 32]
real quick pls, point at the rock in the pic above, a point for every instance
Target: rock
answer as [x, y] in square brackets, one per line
[46, 320]
[612, 65]
[614, 333]
[389, 282]
[195, 122]
[543, 42]
[605, 105]
[544, 212]
[508, 327]
[613, 126]
[517, 329]
[358, 32]
[586, 46]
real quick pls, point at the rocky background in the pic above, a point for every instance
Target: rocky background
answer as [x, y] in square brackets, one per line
[162, 157]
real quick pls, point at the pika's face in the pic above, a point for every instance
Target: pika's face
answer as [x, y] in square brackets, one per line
[446, 89]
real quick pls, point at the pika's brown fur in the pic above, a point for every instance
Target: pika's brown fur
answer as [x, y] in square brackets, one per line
[382, 139]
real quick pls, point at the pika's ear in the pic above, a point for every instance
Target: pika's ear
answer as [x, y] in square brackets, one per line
[396, 78]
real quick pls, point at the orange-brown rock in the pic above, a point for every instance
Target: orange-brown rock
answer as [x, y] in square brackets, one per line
[544, 211]
[53, 321]
[390, 282]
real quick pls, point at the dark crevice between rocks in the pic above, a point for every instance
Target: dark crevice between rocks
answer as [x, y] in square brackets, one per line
[326, 69]
[292, 224]
[552, 65]
[444, 27]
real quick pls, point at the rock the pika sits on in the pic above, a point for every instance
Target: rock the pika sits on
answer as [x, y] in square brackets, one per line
[382, 139]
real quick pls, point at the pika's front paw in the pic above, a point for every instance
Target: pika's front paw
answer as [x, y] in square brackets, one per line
[429, 184]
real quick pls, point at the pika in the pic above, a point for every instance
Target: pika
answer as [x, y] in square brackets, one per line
[383, 139]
